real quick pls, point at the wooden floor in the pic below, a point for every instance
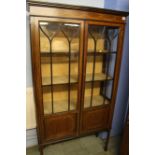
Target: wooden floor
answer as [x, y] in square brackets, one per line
[90, 145]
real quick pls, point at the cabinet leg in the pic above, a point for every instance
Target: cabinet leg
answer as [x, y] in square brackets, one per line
[41, 150]
[96, 134]
[107, 141]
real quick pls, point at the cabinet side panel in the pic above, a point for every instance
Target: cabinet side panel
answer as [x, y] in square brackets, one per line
[117, 72]
[37, 77]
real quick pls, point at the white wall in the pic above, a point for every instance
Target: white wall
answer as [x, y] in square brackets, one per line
[93, 3]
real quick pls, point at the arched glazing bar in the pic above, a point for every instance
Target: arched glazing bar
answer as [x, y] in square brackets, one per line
[51, 31]
[69, 32]
[95, 36]
[111, 35]
[50, 38]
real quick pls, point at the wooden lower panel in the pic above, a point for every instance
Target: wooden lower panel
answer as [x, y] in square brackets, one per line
[95, 119]
[60, 126]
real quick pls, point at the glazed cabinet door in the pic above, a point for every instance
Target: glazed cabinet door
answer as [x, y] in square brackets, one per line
[100, 53]
[58, 43]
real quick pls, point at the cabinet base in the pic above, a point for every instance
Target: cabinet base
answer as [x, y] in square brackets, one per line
[41, 147]
[107, 141]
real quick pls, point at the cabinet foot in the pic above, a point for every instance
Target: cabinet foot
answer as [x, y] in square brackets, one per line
[96, 134]
[41, 150]
[107, 141]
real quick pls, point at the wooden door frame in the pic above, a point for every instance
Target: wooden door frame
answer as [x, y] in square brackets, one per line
[121, 27]
[36, 68]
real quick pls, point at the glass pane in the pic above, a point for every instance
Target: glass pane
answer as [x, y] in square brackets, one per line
[100, 65]
[59, 49]
[44, 43]
[102, 39]
[74, 59]
[60, 98]
[46, 70]
[60, 68]
[111, 39]
[107, 89]
[47, 100]
[109, 65]
[98, 96]
[73, 97]
[87, 98]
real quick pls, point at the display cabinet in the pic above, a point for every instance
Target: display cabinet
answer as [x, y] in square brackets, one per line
[76, 57]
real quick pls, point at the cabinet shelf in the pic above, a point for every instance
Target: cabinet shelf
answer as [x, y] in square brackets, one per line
[96, 101]
[59, 106]
[57, 54]
[97, 77]
[90, 53]
[46, 81]
[98, 53]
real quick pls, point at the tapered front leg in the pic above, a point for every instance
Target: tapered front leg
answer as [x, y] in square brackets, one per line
[41, 150]
[107, 141]
[96, 134]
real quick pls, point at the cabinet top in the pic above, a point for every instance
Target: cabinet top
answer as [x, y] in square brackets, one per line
[74, 7]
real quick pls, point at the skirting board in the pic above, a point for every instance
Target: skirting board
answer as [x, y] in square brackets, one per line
[31, 137]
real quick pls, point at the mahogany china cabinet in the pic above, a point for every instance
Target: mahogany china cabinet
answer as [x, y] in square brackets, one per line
[76, 58]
